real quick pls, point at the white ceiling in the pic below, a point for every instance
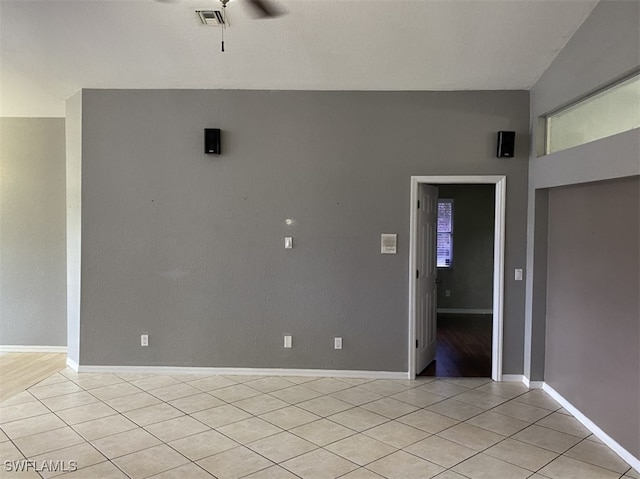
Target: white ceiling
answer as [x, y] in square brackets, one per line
[50, 49]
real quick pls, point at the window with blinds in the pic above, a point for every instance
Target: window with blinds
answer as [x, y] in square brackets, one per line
[445, 234]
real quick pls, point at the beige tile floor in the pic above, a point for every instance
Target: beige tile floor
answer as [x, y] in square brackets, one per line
[185, 426]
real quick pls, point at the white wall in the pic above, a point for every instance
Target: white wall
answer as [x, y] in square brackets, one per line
[74, 222]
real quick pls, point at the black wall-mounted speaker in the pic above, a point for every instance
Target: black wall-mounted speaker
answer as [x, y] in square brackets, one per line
[212, 141]
[506, 144]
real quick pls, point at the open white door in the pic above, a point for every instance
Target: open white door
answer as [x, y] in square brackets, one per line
[426, 321]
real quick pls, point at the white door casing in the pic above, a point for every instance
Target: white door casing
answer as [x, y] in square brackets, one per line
[500, 183]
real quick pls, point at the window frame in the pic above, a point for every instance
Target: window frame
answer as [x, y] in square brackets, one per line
[546, 136]
[450, 233]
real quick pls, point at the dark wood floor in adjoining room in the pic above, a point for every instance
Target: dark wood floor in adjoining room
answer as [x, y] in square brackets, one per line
[464, 346]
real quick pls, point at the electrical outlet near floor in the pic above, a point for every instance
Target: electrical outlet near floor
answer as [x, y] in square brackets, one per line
[144, 340]
[337, 343]
[287, 341]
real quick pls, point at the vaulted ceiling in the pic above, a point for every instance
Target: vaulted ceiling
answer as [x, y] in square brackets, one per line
[50, 49]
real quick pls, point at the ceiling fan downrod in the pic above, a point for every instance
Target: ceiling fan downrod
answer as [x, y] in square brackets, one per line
[224, 19]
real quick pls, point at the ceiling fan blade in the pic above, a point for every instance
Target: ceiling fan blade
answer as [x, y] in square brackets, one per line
[264, 9]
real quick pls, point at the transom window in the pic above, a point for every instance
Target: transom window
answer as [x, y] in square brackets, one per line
[608, 112]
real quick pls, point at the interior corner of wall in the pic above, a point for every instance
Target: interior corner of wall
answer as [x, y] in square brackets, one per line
[540, 136]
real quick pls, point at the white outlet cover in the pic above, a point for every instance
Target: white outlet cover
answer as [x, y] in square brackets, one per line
[337, 343]
[518, 274]
[144, 340]
[288, 242]
[287, 341]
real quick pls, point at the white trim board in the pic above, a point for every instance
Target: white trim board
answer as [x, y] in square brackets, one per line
[32, 349]
[72, 364]
[500, 182]
[320, 373]
[532, 384]
[591, 426]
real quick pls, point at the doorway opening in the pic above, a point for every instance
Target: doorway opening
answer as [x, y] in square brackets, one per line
[423, 293]
[464, 293]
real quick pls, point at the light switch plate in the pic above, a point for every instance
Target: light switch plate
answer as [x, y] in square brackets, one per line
[518, 275]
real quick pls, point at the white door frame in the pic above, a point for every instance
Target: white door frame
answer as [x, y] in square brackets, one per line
[500, 183]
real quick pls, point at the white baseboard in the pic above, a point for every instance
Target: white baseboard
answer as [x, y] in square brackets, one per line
[464, 311]
[72, 364]
[532, 384]
[323, 373]
[591, 426]
[513, 378]
[32, 349]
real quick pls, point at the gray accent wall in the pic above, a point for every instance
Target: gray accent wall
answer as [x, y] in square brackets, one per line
[575, 273]
[189, 248]
[470, 280]
[593, 310]
[605, 48]
[32, 232]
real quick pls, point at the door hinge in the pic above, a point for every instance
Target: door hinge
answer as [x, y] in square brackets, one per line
[418, 204]
[416, 343]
